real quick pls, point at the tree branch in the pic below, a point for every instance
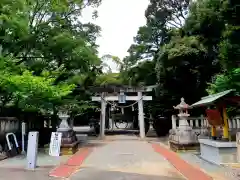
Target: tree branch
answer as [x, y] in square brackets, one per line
[176, 17]
[174, 25]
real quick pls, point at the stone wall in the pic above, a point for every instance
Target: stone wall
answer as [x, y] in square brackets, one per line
[8, 124]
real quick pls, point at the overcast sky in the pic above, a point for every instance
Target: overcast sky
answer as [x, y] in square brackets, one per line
[119, 20]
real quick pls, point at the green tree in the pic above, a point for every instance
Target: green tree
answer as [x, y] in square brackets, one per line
[29, 92]
[223, 82]
[162, 16]
[189, 52]
[48, 36]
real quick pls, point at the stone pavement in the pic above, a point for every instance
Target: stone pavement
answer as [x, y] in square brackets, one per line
[123, 157]
[14, 168]
[126, 158]
[22, 174]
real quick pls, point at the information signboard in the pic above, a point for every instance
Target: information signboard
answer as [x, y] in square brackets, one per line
[55, 144]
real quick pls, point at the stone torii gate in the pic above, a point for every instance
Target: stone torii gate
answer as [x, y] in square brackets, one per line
[107, 95]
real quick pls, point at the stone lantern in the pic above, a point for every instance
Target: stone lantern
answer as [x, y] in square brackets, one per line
[183, 137]
[183, 114]
[69, 144]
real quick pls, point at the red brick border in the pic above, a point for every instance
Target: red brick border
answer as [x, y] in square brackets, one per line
[72, 165]
[190, 172]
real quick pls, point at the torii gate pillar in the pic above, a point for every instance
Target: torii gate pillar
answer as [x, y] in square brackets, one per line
[141, 116]
[103, 116]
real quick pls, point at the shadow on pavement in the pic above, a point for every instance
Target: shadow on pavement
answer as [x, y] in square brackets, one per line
[122, 132]
[99, 174]
[23, 174]
[163, 140]
[94, 144]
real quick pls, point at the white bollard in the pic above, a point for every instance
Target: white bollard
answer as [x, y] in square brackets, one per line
[32, 150]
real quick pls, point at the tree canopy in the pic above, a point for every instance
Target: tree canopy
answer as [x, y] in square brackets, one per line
[45, 52]
[192, 46]
[49, 57]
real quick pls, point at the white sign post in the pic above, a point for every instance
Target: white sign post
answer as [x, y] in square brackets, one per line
[32, 150]
[55, 144]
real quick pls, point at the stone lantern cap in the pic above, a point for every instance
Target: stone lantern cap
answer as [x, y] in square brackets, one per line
[182, 105]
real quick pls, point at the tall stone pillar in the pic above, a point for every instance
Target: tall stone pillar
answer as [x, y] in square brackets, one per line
[141, 115]
[103, 116]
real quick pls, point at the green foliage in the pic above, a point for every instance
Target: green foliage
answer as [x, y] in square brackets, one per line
[180, 48]
[189, 43]
[49, 57]
[205, 19]
[230, 48]
[108, 78]
[46, 34]
[162, 16]
[226, 81]
[29, 92]
[46, 50]
[142, 74]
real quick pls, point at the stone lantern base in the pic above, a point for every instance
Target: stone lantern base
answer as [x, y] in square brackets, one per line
[176, 146]
[69, 145]
[186, 140]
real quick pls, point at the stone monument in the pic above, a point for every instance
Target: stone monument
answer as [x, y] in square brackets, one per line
[69, 144]
[183, 137]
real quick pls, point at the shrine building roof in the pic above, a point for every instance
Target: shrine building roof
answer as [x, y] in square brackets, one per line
[208, 100]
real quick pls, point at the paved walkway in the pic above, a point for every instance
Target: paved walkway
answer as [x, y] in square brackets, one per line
[118, 158]
[21, 174]
[126, 159]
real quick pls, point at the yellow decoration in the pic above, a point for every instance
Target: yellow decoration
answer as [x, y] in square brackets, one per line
[225, 127]
[213, 131]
